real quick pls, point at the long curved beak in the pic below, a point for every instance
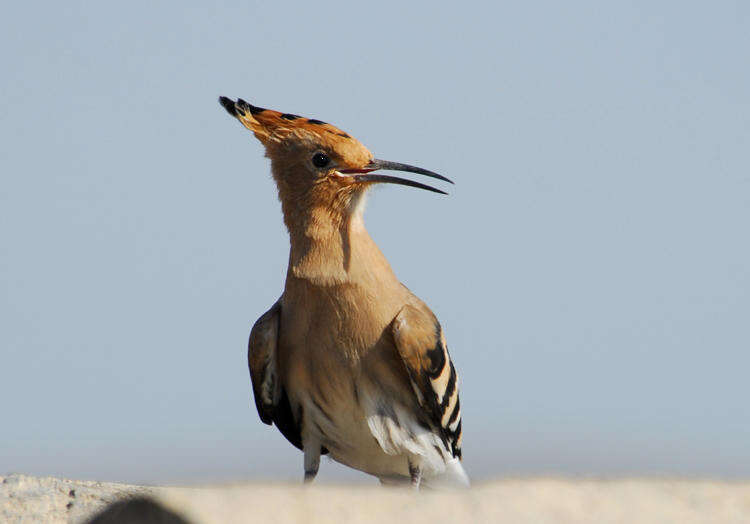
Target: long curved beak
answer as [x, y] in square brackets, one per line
[362, 175]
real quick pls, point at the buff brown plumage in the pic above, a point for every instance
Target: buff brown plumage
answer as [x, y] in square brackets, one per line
[348, 361]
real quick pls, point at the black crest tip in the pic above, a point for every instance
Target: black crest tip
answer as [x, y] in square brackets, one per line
[229, 105]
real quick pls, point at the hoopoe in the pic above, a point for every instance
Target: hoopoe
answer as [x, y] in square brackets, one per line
[348, 362]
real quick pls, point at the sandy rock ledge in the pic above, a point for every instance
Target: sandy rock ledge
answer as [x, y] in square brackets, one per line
[32, 499]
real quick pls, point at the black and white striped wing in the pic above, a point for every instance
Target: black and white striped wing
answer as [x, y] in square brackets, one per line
[420, 343]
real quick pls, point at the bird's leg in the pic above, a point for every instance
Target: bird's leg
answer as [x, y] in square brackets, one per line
[415, 472]
[312, 460]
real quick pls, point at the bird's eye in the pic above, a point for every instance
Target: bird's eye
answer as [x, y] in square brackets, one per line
[320, 160]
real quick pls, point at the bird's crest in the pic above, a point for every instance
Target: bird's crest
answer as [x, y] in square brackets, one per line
[271, 126]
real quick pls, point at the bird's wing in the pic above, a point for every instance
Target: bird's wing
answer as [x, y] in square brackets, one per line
[270, 397]
[420, 343]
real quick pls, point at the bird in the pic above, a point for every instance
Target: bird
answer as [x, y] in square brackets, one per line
[348, 362]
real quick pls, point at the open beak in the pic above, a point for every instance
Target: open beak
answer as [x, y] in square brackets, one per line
[363, 174]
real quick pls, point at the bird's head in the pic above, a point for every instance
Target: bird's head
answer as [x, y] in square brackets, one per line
[316, 164]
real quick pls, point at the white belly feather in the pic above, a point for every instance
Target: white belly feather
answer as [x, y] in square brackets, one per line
[380, 437]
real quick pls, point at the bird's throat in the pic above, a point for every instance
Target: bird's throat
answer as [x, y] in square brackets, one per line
[333, 250]
[321, 247]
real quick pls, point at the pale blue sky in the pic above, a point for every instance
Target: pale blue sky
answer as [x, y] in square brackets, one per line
[591, 267]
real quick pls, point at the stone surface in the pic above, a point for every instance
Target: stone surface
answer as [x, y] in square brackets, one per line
[32, 499]
[47, 499]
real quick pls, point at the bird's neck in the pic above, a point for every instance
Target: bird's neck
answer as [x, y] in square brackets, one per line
[332, 247]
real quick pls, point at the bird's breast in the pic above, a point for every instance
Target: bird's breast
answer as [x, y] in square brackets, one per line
[331, 338]
[335, 322]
